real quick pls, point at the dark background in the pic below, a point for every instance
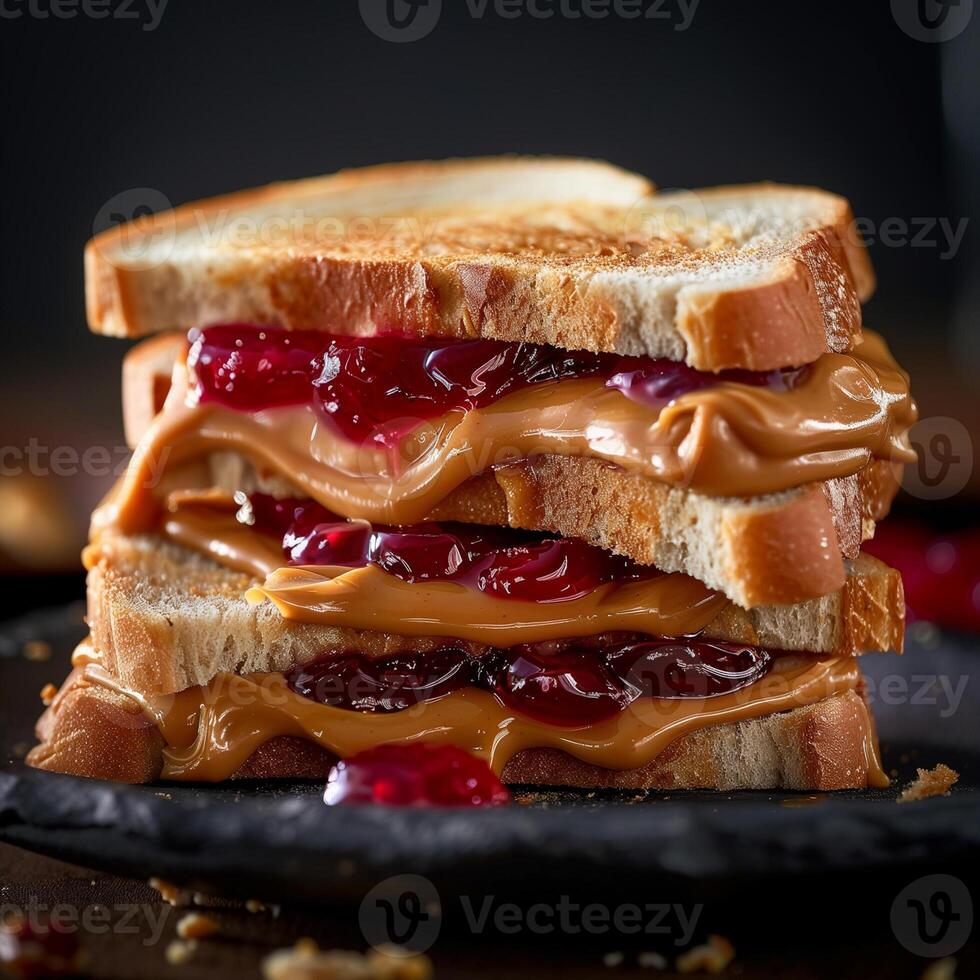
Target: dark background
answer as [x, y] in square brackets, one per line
[227, 94]
[232, 93]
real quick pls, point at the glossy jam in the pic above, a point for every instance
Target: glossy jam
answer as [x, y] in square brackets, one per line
[419, 774]
[940, 572]
[376, 389]
[500, 561]
[570, 684]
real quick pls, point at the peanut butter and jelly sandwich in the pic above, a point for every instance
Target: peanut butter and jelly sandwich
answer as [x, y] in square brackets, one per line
[516, 455]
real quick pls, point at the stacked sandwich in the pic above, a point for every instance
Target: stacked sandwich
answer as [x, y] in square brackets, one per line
[514, 455]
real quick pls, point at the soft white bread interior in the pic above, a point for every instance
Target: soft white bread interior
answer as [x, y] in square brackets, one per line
[164, 618]
[778, 548]
[93, 731]
[572, 252]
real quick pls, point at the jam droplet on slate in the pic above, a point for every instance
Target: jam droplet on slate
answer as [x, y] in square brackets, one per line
[377, 389]
[417, 774]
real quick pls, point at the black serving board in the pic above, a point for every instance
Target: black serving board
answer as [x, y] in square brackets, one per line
[279, 839]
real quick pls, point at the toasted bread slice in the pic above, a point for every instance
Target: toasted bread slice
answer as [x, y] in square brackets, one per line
[164, 618]
[93, 731]
[570, 252]
[778, 548]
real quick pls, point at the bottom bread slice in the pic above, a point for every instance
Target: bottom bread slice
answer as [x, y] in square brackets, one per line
[94, 731]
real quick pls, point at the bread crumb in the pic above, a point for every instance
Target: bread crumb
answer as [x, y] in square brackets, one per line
[652, 961]
[306, 961]
[37, 650]
[196, 925]
[180, 951]
[47, 694]
[712, 957]
[944, 969]
[392, 963]
[937, 781]
[169, 892]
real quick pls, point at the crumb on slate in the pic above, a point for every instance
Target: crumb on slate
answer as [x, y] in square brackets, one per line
[307, 961]
[712, 957]
[937, 781]
[196, 925]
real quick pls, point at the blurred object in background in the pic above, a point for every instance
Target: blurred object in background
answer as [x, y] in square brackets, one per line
[941, 572]
[38, 530]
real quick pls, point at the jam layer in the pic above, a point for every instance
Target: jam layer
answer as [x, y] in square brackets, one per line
[211, 731]
[729, 438]
[472, 584]
[572, 685]
[376, 389]
[498, 561]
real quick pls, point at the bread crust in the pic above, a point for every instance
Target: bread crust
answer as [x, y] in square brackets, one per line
[781, 548]
[537, 249]
[96, 733]
[164, 618]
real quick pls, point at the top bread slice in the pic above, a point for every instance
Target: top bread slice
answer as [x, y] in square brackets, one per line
[575, 253]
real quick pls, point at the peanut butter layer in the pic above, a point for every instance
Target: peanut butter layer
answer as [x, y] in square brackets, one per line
[211, 731]
[730, 440]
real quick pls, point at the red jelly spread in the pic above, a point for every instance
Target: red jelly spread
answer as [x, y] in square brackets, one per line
[498, 560]
[573, 684]
[375, 389]
[418, 774]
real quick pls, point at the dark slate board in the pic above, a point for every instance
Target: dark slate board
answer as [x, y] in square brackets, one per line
[279, 840]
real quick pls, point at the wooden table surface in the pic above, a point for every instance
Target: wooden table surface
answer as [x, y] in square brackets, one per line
[132, 938]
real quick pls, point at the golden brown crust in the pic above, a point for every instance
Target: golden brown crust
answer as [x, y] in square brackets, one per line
[785, 548]
[542, 250]
[819, 747]
[92, 731]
